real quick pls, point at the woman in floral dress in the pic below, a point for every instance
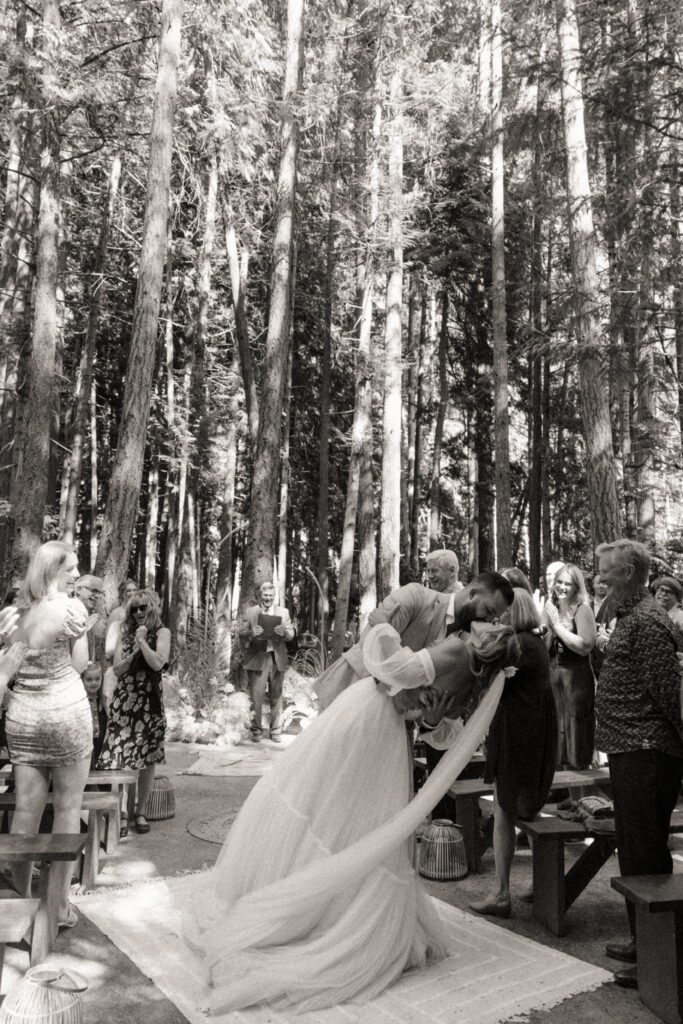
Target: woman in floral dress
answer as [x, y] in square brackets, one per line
[137, 723]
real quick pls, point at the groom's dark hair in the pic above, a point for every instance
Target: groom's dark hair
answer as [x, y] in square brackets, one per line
[493, 581]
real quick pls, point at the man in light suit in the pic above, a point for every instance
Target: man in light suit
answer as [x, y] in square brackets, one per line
[422, 617]
[266, 661]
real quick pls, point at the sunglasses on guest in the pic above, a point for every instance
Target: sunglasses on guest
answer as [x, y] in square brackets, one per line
[139, 607]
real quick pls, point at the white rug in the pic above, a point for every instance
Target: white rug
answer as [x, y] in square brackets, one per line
[255, 759]
[493, 976]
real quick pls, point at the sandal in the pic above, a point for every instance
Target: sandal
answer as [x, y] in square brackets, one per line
[71, 918]
[141, 824]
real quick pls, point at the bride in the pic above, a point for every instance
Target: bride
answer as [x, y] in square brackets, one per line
[314, 900]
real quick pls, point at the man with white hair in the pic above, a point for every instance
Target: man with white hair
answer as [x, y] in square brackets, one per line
[266, 627]
[639, 724]
[442, 571]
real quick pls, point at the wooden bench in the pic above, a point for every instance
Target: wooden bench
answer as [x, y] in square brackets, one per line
[467, 792]
[16, 920]
[104, 812]
[555, 891]
[47, 849]
[658, 902]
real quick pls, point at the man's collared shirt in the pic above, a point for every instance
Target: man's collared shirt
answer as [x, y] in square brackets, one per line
[638, 697]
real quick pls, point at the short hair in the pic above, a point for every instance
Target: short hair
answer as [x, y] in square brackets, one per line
[524, 615]
[517, 578]
[445, 558]
[493, 581]
[267, 583]
[42, 571]
[629, 552]
[577, 578]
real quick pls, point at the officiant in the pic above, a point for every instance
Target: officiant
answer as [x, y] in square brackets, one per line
[266, 628]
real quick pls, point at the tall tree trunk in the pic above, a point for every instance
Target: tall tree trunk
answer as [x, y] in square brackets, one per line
[417, 443]
[152, 523]
[29, 495]
[264, 495]
[285, 473]
[225, 570]
[536, 314]
[93, 472]
[238, 267]
[367, 185]
[603, 498]
[126, 475]
[441, 409]
[82, 396]
[500, 358]
[390, 516]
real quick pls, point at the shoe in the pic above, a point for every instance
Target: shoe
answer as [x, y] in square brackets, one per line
[527, 895]
[255, 738]
[71, 919]
[123, 831]
[275, 739]
[625, 951]
[141, 824]
[627, 977]
[566, 805]
[492, 907]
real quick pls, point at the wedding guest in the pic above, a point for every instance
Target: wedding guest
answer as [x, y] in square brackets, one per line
[668, 593]
[126, 590]
[517, 578]
[639, 725]
[89, 591]
[568, 615]
[521, 748]
[48, 723]
[550, 573]
[92, 682]
[605, 611]
[442, 571]
[137, 724]
[266, 660]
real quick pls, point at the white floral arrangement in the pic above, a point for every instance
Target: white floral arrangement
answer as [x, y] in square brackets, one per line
[222, 721]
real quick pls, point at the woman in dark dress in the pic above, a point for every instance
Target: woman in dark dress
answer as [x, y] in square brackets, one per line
[137, 723]
[520, 749]
[572, 625]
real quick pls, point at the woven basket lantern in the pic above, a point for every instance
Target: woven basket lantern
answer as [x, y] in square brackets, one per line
[442, 851]
[45, 995]
[161, 801]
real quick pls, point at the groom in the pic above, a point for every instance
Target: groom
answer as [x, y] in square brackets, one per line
[423, 618]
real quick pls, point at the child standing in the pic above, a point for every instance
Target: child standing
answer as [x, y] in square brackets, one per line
[92, 681]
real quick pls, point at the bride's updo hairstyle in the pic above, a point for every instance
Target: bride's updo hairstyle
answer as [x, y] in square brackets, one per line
[491, 649]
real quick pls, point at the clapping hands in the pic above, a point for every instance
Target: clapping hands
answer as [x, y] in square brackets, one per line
[552, 614]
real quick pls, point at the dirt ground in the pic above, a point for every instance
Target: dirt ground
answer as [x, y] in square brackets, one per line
[118, 992]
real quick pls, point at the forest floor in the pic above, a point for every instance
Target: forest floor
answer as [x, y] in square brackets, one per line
[119, 992]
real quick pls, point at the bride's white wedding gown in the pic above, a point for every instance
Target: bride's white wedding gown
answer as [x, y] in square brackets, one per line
[313, 900]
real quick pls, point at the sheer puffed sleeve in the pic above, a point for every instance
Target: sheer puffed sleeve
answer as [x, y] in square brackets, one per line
[395, 667]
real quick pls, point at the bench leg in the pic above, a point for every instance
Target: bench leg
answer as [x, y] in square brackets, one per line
[586, 867]
[2, 961]
[113, 830]
[467, 817]
[46, 922]
[91, 852]
[548, 870]
[660, 963]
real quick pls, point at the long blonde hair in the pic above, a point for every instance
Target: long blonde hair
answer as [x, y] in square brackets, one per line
[43, 570]
[577, 578]
[152, 616]
[491, 650]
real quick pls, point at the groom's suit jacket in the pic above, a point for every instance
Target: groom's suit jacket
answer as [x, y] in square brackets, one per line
[418, 615]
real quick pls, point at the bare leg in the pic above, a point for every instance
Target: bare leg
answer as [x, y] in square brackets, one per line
[68, 783]
[503, 848]
[31, 784]
[145, 783]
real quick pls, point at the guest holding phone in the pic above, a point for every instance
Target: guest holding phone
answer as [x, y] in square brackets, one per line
[266, 627]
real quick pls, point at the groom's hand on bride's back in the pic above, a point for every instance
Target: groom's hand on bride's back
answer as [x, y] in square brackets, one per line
[440, 704]
[411, 703]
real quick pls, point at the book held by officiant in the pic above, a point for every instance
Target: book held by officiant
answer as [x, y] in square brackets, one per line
[268, 624]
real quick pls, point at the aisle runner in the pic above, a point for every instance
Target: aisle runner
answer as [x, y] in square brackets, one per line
[493, 975]
[242, 760]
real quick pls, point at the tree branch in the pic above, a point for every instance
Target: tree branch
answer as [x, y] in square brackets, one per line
[116, 46]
